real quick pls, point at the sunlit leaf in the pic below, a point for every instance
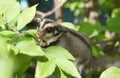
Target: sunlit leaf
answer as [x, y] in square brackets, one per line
[6, 68]
[31, 32]
[77, 12]
[13, 24]
[4, 5]
[8, 33]
[68, 67]
[6, 61]
[12, 12]
[25, 17]
[3, 46]
[21, 63]
[59, 73]
[58, 52]
[2, 21]
[112, 72]
[29, 48]
[44, 69]
[115, 13]
[73, 6]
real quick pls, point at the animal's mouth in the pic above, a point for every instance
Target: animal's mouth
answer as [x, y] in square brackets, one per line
[39, 34]
[42, 42]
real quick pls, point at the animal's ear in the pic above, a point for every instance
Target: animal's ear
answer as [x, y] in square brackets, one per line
[60, 28]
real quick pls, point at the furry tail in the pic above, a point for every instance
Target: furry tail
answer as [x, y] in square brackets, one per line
[99, 64]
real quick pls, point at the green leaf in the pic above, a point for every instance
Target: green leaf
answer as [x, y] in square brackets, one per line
[112, 72]
[21, 63]
[58, 52]
[2, 22]
[29, 48]
[8, 33]
[68, 67]
[25, 17]
[77, 12]
[59, 73]
[4, 5]
[84, 28]
[44, 69]
[3, 46]
[6, 61]
[6, 68]
[101, 37]
[13, 36]
[73, 6]
[115, 13]
[113, 24]
[94, 29]
[96, 51]
[70, 25]
[12, 11]
[13, 24]
[31, 32]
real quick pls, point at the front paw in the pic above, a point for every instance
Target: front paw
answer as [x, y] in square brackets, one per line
[42, 44]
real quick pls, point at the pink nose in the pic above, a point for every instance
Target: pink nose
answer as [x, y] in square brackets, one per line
[39, 34]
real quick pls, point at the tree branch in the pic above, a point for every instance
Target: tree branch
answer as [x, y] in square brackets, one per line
[58, 12]
[43, 15]
[106, 41]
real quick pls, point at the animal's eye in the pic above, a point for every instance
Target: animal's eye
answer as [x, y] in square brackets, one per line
[49, 30]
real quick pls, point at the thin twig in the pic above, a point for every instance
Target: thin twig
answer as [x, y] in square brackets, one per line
[43, 15]
[106, 41]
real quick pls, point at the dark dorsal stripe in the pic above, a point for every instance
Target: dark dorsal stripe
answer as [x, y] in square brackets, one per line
[46, 22]
[77, 34]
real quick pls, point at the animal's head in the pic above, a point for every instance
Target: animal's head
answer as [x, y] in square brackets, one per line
[49, 31]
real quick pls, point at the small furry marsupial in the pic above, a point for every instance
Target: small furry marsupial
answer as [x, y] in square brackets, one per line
[76, 43]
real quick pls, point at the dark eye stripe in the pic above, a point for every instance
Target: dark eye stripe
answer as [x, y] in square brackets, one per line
[50, 30]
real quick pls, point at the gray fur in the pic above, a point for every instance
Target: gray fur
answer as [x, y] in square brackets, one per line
[79, 46]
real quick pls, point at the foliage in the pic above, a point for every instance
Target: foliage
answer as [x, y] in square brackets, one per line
[112, 72]
[96, 31]
[19, 48]
[76, 6]
[102, 45]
